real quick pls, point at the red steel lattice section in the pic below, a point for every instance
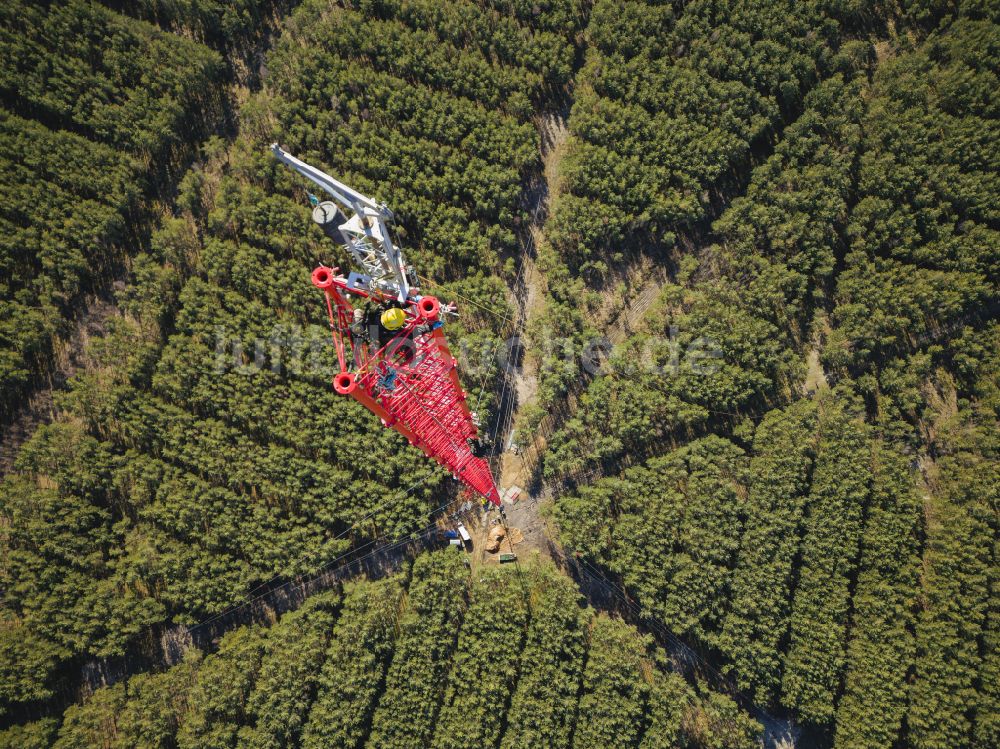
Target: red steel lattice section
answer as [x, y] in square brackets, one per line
[411, 383]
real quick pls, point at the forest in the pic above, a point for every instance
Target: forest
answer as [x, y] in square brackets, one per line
[813, 520]
[813, 542]
[367, 666]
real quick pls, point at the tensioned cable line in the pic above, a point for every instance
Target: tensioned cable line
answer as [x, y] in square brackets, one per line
[342, 534]
[519, 281]
[503, 326]
[652, 621]
[357, 522]
[653, 624]
[402, 539]
[460, 296]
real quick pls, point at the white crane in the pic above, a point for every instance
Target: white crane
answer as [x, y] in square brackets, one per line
[364, 234]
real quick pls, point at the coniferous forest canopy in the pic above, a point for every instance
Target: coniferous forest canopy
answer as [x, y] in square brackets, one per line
[815, 183]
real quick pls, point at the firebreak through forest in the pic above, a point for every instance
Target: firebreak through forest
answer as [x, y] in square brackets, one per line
[805, 534]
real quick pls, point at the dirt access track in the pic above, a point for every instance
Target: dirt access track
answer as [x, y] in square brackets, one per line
[516, 470]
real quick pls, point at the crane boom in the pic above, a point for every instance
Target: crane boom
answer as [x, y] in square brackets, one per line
[365, 234]
[346, 196]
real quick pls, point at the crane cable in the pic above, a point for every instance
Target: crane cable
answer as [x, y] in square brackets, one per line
[503, 317]
[508, 413]
[506, 318]
[460, 296]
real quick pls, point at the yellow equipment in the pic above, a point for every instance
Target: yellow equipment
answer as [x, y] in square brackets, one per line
[393, 319]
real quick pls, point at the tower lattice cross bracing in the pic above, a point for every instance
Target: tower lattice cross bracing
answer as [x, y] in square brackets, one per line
[392, 353]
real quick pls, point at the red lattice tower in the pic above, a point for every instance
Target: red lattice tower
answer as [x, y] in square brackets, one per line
[410, 382]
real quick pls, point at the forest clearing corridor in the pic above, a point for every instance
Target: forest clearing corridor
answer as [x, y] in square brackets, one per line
[517, 468]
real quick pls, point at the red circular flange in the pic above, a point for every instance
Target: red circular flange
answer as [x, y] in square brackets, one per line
[344, 383]
[429, 308]
[322, 278]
